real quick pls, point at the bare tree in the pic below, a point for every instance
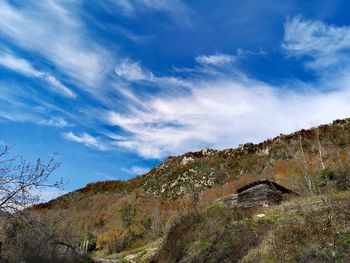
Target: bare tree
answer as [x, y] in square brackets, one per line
[30, 235]
[305, 166]
[20, 181]
[320, 150]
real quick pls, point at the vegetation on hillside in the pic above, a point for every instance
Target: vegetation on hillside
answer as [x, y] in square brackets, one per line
[308, 230]
[299, 156]
[124, 216]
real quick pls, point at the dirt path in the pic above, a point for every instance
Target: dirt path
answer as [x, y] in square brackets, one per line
[141, 254]
[103, 260]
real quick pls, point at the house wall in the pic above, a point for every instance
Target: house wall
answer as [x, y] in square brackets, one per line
[259, 195]
[253, 196]
[230, 200]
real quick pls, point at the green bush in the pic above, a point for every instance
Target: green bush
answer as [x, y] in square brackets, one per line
[324, 181]
[214, 207]
[327, 173]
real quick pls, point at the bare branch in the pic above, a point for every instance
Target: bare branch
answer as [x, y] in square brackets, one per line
[20, 180]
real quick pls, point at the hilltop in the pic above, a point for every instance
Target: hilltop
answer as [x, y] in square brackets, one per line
[180, 175]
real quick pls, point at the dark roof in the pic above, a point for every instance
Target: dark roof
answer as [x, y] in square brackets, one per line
[273, 185]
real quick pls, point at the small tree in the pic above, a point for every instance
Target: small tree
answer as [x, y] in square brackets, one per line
[20, 180]
[308, 179]
[127, 213]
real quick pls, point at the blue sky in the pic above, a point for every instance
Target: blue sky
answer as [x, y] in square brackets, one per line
[115, 86]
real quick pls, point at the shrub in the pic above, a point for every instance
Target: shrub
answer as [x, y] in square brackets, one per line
[147, 223]
[212, 236]
[323, 182]
[327, 174]
[342, 178]
[127, 213]
[214, 207]
[33, 239]
[114, 242]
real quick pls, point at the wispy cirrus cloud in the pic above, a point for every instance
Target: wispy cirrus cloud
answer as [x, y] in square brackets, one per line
[136, 170]
[18, 103]
[132, 71]
[55, 121]
[222, 114]
[24, 67]
[52, 30]
[22, 103]
[86, 139]
[218, 59]
[177, 9]
[325, 45]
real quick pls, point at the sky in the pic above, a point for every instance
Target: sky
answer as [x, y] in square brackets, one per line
[113, 87]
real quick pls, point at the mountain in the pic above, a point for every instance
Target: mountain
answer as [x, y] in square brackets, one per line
[179, 175]
[128, 215]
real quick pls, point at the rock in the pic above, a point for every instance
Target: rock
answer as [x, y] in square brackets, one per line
[186, 160]
[262, 152]
[207, 152]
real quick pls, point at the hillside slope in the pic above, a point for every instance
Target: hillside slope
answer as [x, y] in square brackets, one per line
[123, 215]
[314, 229]
[208, 168]
[180, 175]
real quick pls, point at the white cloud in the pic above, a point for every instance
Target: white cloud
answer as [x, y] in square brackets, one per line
[18, 116]
[132, 71]
[218, 59]
[179, 11]
[139, 170]
[48, 193]
[58, 85]
[223, 114]
[17, 64]
[115, 137]
[326, 45]
[55, 121]
[226, 110]
[50, 29]
[136, 170]
[24, 67]
[87, 140]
